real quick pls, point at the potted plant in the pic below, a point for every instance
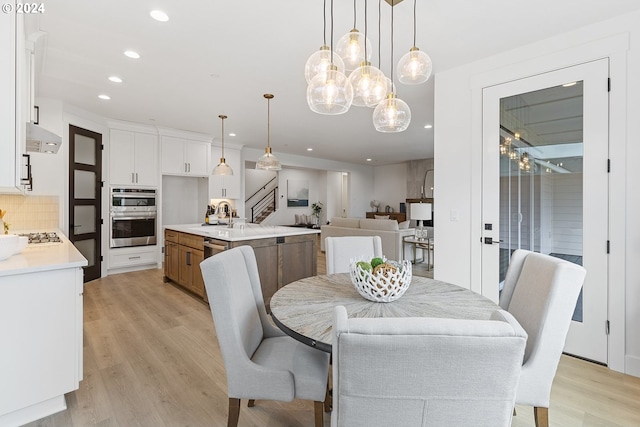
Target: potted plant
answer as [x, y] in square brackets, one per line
[317, 209]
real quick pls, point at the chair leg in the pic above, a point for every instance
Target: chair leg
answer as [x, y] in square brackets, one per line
[541, 416]
[319, 413]
[328, 399]
[234, 412]
[251, 403]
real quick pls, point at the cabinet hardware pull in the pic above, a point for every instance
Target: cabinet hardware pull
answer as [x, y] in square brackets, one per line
[136, 177]
[188, 258]
[134, 257]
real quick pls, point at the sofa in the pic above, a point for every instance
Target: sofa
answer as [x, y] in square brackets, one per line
[388, 230]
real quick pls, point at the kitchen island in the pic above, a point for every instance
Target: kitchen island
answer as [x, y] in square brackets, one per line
[284, 254]
[40, 330]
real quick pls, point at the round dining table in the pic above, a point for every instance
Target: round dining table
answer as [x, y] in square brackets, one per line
[304, 309]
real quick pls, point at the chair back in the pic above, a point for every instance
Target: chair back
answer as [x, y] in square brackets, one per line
[513, 272]
[340, 250]
[543, 302]
[237, 306]
[425, 371]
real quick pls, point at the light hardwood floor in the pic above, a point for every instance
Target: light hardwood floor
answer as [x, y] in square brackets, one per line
[151, 359]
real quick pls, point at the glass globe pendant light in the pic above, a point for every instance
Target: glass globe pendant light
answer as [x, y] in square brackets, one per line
[366, 78]
[381, 87]
[354, 47]
[320, 60]
[330, 93]
[223, 168]
[268, 161]
[392, 114]
[415, 66]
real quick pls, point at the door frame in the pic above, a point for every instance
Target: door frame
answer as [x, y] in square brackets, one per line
[536, 60]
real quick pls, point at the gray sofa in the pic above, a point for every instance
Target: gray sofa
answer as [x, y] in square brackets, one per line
[387, 229]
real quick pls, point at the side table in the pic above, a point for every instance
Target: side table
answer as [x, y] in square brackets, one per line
[424, 244]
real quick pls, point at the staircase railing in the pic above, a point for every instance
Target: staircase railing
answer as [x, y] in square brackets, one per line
[267, 203]
[260, 189]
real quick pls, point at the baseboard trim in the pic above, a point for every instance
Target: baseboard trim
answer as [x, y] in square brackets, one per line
[632, 366]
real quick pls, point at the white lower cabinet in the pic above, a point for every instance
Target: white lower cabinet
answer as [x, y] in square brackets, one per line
[41, 334]
[132, 257]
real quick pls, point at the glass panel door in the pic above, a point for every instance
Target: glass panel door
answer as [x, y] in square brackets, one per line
[545, 185]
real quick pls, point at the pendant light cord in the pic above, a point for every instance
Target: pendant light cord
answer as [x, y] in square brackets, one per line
[331, 32]
[379, 36]
[324, 22]
[269, 123]
[354, 13]
[392, 48]
[365, 30]
[414, 22]
[222, 137]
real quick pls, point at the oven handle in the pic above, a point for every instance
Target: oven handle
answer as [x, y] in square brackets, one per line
[128, 218]
[214, 246]
[134, 196]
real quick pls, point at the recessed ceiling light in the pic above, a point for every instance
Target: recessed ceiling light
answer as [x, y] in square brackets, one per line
[232, 134]
[569, 84]
[48, 152]
[368, 160]
[115, 79]
[105, 97]
[309, 149]
[52, 143]
[159, 15]
[428, 126]
[132, 54]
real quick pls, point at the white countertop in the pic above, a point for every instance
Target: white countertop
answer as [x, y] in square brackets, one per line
[237, 233]
[43, 257]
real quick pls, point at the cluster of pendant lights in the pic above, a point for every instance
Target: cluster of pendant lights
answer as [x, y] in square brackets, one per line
[331, 92]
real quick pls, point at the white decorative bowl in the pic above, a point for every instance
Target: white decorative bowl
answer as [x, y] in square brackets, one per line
[8, 245]
[385, 285]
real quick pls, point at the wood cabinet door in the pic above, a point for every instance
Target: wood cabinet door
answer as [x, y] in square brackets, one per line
[185, 266]
[298, 260]
[267, 259]
[197, 283]
[172, 261]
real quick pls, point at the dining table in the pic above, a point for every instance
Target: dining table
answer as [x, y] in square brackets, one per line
[304, 309]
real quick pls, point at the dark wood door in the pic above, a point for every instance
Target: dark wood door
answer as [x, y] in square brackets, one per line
[85, 195]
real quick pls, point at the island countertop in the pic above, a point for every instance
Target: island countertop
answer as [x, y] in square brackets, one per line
[239, 233]
[43, 257]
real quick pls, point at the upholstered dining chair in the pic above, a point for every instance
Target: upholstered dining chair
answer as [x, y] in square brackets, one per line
[543, 299]
[261, 362]
[425, 371]
[513, 272]
[340, 250]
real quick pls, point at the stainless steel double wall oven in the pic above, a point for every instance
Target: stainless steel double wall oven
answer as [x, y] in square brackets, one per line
[133, 217]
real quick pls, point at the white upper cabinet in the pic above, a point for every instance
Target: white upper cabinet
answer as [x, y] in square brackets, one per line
[182, 156]
[133, 158]
[226, 187]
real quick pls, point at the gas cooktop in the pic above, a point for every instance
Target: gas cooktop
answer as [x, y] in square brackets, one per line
[43, 237]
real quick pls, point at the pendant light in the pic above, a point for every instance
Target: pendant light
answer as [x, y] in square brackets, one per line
[268, 161]
[223, 168]
[415, 66]
[381, 87]
[392, 114]
[330, 93]
[320, 60]
[354, 47]
[367, 79]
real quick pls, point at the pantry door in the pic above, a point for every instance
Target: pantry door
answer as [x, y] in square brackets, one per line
[85, 189]
[545, 186]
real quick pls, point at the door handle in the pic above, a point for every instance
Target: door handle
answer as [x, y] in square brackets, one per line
[490, 241]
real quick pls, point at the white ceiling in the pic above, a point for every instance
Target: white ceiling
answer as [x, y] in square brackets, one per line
[215, 57]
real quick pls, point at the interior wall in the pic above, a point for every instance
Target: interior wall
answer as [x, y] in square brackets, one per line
[390, 186]
[317, 183]
[458, 141]
[184, 200]
[334, 195]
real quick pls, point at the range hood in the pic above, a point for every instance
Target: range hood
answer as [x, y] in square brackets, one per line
[40, 140]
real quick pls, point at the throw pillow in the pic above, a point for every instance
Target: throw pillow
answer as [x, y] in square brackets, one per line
[381, 216]
[404, 225]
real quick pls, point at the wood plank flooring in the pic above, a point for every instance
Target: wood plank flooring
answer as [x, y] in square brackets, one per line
[151, 358]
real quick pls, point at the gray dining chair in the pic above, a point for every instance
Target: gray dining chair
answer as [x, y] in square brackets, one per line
[513, 272]
[261, 362]
[543, 301]
[340, 250]
[425, 371]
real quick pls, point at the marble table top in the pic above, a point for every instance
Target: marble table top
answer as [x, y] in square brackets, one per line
[304, 309]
